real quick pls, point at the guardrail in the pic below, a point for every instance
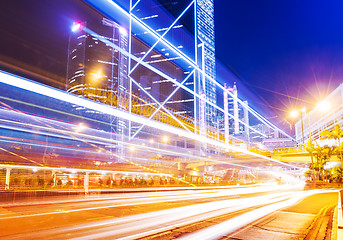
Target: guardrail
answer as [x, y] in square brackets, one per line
[84, 172]
[339, 216]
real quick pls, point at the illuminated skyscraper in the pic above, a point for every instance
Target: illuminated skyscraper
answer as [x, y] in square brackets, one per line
[99, 72]
[162, 55]
[236, 120]
[205, 58]
[96, 70]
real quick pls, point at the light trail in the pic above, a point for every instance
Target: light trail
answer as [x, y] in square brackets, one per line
[151, 198]
[95, 138]
[60, 95]
[149, 223]
[92, 139]
[46, 108]
[140, 225]
[146, 224]
[222, 229]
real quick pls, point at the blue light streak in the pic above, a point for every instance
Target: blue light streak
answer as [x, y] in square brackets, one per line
[25, 84]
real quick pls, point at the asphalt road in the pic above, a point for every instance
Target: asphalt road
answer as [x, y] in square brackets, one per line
[148, 215]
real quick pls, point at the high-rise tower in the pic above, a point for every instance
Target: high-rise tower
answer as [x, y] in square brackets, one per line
[98, 71]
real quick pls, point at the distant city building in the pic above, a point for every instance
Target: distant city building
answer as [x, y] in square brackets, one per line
[137, 76]
[268, 133]
[96, 70]
[238, 116]
[317, 120]
[270, 139]
[239, 112]
[274, 143]
[100, 72]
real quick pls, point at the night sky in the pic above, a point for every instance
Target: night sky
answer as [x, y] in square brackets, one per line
[288, 53]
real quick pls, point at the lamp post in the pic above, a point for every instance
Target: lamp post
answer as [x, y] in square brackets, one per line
[322, 106]
[294, 114]
[302, 127]
[165, 139]
[310, 136]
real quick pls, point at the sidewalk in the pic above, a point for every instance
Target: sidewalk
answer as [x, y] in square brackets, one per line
[296, 222]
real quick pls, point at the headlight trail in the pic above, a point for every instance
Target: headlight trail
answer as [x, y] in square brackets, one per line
[23, 83]
[67, 134]
[220, 230]
[155, 197]
[143, 224]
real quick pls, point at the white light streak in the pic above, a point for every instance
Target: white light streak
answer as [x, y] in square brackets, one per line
[25, 84]
[220, 230]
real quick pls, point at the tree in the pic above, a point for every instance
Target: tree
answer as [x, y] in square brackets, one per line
[108, 182]
[51, 182]
[79, 181]
[321, 155]
[100, 182]
[69, 183]
[338, 174]
[59, 182]
[336, 134]
[40, 181]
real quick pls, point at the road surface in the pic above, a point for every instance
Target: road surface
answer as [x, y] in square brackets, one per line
[147, 215]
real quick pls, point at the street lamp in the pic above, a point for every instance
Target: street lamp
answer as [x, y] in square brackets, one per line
[165, 139]
[294, 114]
[322, 106]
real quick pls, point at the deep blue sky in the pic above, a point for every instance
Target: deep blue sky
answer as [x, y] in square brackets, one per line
[290, 53]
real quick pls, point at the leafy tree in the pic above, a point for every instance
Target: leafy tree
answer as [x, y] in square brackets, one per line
[336, 133]
[321, 156]
[69, 183]
[51, 182]
[59, 182]
[79, 181]
[108, 182]
[100, 182]
[327, 175]
[40, 181]
[338, 174]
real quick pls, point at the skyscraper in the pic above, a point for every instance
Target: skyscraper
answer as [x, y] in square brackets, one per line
[237, 119]
[205, 58]
[98, 71]
[162, 55]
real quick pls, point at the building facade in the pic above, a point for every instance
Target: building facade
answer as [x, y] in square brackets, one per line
[234, 122]
[100, 72]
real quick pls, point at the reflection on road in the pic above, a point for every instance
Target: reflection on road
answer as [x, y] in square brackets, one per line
[135, 215]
